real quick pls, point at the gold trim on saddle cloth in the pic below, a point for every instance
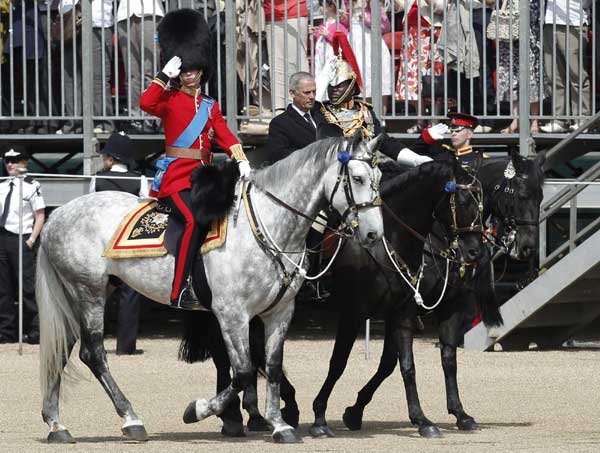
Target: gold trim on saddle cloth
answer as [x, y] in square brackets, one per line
[125, 242]
[141, 234]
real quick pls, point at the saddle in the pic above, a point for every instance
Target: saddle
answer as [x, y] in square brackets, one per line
[147, 231]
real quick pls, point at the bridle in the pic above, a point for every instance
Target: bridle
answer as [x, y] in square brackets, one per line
[343, 179]
[475, 190]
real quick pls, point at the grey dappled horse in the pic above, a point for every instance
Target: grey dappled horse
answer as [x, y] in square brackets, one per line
[72, 275]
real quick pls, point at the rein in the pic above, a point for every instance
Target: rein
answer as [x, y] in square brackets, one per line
[275, 252]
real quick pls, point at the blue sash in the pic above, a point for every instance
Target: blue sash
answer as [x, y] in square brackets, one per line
[185, 140]
[196, 126]
[161, 168]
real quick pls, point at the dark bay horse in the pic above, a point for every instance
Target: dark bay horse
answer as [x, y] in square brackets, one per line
[512, 190]
[246, 275]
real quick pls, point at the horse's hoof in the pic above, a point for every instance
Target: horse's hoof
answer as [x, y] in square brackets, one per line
[60, 437]
[320, 431]
[233, 429]
[257, 424]
[135, 432]
[291, 415]
[467, 424]
[189, 416]
[430, 432]
[287, 436]
[353, 418]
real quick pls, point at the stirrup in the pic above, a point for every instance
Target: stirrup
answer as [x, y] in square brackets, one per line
[187, 299]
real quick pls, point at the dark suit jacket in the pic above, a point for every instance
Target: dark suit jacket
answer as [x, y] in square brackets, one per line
[289, 132]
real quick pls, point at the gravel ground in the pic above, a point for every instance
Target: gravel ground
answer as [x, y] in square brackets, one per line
[528, 401]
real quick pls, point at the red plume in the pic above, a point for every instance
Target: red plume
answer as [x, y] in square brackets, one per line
[340, 41]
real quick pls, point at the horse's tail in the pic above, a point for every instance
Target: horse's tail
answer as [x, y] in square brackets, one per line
[201, 332]
[485, 293]
[59, 323]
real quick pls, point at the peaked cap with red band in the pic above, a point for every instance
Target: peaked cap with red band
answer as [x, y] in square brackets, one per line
[462, 119]
[341, 45]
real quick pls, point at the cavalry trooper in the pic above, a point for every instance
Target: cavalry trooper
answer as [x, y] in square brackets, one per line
[352, 115]
[190, 120]
[117, 154]
[15, 161]
[461, 132]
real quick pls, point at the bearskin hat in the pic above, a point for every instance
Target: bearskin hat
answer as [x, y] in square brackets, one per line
[184, 33]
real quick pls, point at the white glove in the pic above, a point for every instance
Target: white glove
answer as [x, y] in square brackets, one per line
[437, 131]
[172, 68]
[410, 158]
[244, 167]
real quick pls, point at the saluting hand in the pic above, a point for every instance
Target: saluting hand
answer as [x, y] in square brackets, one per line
[173, 67]
[437, 132]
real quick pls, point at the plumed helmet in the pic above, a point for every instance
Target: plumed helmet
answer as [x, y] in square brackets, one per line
[346, 68]
[343, 72]
[184, 33]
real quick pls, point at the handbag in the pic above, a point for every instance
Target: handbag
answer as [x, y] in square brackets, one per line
[504, 23]
[67, 25]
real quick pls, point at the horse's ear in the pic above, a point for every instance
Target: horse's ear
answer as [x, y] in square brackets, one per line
[328, 130]
[517, 159]
[373, 144]
[478, 162]
[540, 159]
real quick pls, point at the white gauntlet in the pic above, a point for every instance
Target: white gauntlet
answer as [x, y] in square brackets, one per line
[411, 159]
[173, 67]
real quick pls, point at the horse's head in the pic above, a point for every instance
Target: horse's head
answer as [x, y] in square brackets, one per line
[352, 188]
[461, 216]
[516, 202]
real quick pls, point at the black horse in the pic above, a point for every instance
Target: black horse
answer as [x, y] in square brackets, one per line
[512, 196]
[437, 189]
[369, 284]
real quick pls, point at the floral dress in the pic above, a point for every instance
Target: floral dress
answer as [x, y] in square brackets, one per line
[508, 61]
[420, 57]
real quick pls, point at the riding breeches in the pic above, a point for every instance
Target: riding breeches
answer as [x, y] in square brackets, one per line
[190, 241]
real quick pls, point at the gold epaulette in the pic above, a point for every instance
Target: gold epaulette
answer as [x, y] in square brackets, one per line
[360, 101]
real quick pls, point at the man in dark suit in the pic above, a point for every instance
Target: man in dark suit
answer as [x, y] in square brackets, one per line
[296, 127]
[115, 156]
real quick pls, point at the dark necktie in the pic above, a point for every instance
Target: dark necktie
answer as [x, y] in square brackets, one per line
[6, 205]
[308, 118]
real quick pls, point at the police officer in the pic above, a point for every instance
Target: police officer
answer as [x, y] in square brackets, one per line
[116, 156]
[15, 161]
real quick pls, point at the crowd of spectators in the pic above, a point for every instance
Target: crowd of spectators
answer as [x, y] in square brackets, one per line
[435, 54]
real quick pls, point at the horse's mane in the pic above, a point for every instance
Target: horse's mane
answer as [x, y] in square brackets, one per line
[280, 173]
[395, 177]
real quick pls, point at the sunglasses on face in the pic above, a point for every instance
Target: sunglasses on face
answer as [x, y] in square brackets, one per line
[13, 160]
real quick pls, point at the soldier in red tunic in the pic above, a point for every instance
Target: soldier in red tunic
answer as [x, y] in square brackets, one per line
[190, 120]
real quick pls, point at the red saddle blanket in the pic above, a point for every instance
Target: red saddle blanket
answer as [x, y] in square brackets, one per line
[141, 233]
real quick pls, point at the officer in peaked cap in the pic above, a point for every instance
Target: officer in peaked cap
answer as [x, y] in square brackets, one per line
[461, 132]
[15, 162]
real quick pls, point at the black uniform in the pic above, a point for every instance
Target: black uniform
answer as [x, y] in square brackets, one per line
[126, 298]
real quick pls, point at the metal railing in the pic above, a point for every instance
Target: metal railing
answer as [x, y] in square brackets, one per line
[417, 62]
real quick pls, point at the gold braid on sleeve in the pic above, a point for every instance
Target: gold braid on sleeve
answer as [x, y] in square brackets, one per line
[238, 152]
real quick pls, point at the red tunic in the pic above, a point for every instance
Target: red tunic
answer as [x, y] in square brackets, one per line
[176, 109]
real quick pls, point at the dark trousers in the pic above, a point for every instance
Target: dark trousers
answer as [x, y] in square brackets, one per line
[188, 245]
[9, 285]
[128, 318]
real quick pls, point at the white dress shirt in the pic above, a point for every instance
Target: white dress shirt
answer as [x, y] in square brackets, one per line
[139, 8]
[32, 202]
[301, 113]
[102, 11]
